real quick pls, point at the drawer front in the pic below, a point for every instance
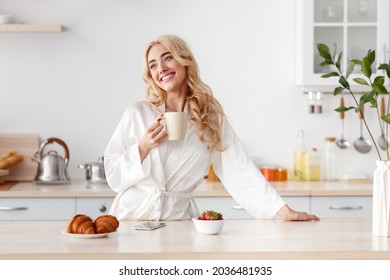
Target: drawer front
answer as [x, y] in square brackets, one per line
[226, 205]
[93, 207]
[232, 210]
[350, 207]
[298, 203]
[22, 209]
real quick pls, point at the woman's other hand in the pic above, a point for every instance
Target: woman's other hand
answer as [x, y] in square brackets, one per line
[154, 136]
[287, 214]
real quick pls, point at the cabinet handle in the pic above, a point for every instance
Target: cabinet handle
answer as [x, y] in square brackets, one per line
[345, 207]
[2, 208]
[103, 208]
[237, 207]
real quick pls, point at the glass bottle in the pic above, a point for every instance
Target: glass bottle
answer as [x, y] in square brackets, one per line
[300, 158]
[330, 159]
[314, 173]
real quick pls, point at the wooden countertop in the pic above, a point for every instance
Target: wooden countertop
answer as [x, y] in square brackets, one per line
[240, 239]
[80, 188]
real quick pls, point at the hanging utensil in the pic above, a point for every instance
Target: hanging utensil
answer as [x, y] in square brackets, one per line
[342, 143]
[382, 139]
[361, 144]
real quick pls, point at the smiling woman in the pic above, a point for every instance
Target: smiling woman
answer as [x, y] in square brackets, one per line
[168, 75]
[154, 178]
[206, 112]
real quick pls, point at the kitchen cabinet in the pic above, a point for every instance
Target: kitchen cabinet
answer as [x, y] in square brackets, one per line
[19, 209]
[225, 205]
[232, 210]
[348, 207]
[298, 203]
[93, 206]
[31, 28]
[52, 208]
[60, 202]
[355, 26]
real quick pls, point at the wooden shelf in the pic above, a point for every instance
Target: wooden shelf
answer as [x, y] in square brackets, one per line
[30, 28]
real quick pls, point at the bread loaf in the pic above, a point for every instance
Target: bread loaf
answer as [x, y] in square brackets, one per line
[81, 224]
[106, 223]
[10, 159]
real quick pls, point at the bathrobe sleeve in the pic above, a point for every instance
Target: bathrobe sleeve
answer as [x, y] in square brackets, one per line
[242, 179]
[122, 161]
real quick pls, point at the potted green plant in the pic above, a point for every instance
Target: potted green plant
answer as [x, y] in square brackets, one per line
[375, 88]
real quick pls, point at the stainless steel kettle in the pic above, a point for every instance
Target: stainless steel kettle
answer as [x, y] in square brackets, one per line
[95, 171]
[52, 168]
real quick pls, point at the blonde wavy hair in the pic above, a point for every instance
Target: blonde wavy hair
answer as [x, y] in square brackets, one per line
[205, 111]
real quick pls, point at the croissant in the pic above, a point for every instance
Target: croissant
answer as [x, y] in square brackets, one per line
[81, 224]
[106, 223]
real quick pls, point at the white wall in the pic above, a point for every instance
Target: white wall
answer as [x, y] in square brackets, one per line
[75, 85]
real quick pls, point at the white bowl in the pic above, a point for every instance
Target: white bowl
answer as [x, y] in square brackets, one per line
[208, 226]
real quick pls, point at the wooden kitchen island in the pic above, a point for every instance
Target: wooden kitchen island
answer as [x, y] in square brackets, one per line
[240, 239]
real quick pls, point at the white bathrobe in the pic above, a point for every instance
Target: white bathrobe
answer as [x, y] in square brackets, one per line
[160, 187]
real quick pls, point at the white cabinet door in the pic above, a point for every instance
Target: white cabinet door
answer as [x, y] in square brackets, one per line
[349, 207]
[229, 208]
[93, 206]
[298, 203]
[232, 210]
[355, 26]
[19, 209]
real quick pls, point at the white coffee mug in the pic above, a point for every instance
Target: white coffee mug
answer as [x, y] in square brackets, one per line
[176, 123]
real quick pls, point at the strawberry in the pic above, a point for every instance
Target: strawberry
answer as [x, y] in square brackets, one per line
[210, 215]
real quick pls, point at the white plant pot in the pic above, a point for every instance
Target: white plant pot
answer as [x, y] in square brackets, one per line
[381, 199]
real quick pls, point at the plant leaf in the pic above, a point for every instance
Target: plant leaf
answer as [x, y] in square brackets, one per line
[344, 82]
[356, 61]
[385, 67]
[379, 88]
[366, 67]
[324, 51]
[343, 109]
[334, 51]
[351, 66]
[361, 81]
[338, 62]
[338, 90]
[326, 62]
[331, 74]
[371, 56]
[386, 118]
[378, 83]
[373, 103]
[367, 97]
[380, 80]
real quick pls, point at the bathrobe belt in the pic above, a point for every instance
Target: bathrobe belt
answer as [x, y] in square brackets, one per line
[159, 192]
[156, 194]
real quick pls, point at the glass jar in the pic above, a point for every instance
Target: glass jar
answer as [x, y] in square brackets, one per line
[329, 167]
[314, 162]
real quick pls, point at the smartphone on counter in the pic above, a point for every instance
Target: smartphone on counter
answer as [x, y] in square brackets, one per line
[149, 226]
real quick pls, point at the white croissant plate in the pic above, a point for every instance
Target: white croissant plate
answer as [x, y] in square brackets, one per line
[86, 236]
